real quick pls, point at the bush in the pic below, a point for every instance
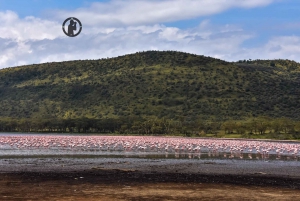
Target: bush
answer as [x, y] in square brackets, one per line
[202, 134]
[285, 137]
[246, 135]
[296, 135]
[220, 134]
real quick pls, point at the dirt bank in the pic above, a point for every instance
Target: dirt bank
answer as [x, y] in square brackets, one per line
[96, 178]
[134, 185]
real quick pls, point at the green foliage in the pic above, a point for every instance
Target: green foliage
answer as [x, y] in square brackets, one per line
[157, 126]
[173, 87]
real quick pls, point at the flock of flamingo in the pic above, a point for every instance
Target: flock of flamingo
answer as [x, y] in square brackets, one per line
[150, 144]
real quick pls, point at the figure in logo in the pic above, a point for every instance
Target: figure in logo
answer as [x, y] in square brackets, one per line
[72, 27]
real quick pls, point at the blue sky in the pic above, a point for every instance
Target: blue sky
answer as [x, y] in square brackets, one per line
[226, 29]
[37, 7]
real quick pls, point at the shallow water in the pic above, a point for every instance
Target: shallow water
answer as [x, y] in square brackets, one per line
[21, 145]
[81, 159]
[36, 153]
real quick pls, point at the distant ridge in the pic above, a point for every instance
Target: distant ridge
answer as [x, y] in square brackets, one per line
[162, 84]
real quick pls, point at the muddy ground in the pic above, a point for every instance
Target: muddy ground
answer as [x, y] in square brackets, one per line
[54, 178]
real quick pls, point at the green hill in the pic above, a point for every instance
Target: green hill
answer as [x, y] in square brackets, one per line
[163, 84]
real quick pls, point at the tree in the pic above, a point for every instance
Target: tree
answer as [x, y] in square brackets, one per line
[263, 123]
[277, 125]
[287, 125]
[228, 127]
[202, 134]
[214, 127]
[254, 125]
[167, 125]
[240, 128]
[262, 126]
[123, 128]
[272, 64]
[25, 125]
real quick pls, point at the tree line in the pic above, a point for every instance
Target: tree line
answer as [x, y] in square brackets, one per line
[273, 128]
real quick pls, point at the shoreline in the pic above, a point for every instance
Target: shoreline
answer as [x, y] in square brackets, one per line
[147, 179]
[124, 185]
[117, 176]
[105, 177]
[231, 171]
[166, 136]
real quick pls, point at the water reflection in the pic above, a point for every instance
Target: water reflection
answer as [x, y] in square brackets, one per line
[144, 155]
[219, 155]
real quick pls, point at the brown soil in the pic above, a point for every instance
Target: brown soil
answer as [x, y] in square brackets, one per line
[122, 184]
[89, 178]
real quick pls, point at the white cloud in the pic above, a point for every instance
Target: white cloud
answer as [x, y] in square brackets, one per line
[12, 27]
[285, 47]
[131, 26]
[207, 40]
[145, 12]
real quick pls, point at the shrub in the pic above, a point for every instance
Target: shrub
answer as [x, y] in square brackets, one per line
[220, 134]
[202, 134]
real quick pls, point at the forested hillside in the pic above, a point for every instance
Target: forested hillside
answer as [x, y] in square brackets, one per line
[164, 85]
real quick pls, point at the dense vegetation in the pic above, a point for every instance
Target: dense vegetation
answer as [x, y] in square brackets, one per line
[261, 127]
[168, 86]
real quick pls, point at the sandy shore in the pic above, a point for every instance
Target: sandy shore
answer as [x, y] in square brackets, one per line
[93, 178]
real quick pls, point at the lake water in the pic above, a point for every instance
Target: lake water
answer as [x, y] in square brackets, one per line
[110, 156]
[20, 145]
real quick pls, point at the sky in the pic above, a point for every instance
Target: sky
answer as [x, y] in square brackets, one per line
[31, 30]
